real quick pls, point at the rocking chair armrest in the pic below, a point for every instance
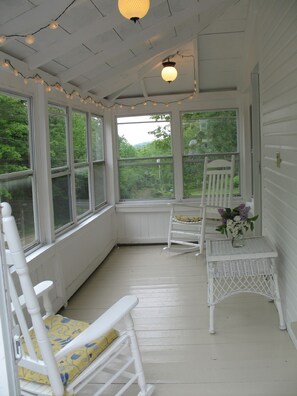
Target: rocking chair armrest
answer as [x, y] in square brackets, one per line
[101, 325]
[41, 290]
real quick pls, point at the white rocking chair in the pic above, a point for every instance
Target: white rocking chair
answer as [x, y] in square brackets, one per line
[191, 223]
[60, 356]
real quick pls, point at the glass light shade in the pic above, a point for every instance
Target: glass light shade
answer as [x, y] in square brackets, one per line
[133, 9]
[169, 72]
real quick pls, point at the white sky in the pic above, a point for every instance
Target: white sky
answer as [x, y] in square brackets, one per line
[137, 130]
[136, 133]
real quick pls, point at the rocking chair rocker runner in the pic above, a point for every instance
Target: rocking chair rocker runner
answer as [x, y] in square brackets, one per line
[58, 355]
[190, 223]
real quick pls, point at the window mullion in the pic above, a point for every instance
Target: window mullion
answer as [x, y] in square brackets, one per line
[90, 161]
[177, 155]
[71, 165]
[43, 169]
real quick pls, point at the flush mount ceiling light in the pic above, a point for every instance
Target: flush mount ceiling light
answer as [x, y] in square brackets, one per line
[169, 72]
[134, 9]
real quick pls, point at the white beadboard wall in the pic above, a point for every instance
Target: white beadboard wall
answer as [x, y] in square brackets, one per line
[278, 96]
[140, 224]
[72, 258]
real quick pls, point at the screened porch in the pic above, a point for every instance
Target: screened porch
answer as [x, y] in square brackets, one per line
[95, 146]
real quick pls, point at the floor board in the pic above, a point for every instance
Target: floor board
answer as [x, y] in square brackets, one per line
[248, 356]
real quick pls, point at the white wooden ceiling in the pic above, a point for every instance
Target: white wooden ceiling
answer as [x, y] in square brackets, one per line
[102, 53]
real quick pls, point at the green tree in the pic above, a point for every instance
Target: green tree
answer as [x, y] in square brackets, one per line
[146, 175]
[14, 135]
[213, 132]
[126, 150]
[58, 136]
[79, 131]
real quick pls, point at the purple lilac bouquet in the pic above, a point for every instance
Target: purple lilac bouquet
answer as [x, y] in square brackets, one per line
[236, 221]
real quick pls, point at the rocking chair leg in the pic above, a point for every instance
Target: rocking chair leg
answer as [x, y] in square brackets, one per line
[145, 389]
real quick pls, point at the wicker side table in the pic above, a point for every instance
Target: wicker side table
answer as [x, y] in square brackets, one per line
[248, 269]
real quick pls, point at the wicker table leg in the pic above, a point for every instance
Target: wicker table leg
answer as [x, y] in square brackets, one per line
[211, 319]
[277, 301]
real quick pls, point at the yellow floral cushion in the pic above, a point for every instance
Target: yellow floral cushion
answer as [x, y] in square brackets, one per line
[61, 331]
[188, 219]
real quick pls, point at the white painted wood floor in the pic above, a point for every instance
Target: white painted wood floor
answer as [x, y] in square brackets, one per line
[248, 356]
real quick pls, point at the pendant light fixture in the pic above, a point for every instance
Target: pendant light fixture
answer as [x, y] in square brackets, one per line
[169, 72]
[134, 9]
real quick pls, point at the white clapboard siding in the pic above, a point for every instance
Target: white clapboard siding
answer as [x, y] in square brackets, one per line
[278, 95]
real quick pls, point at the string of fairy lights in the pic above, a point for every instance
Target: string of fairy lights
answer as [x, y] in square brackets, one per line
[75, 94]
[30, 37]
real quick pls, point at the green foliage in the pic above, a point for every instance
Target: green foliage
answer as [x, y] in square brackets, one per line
[148, 173]
[58, 137]
[79, 132]
[213, 132]
[14, 140]
[126, 150]
[236, 181]
[203, 133]
[97, 138]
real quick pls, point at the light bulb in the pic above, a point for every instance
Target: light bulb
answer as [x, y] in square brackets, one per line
[53, 25]
[2, 39]
[30, 39]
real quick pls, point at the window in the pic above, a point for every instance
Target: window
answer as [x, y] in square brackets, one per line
[78, 183]
[98, 160]
[16, 166]
[60, 166]
[212, 134]
[81, 163]
[145, 157]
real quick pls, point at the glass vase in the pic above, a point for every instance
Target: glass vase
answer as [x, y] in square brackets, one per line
[238, 241]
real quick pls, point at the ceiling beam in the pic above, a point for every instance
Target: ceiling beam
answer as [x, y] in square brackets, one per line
[97, 27]
[32, 19]
[116, 94]
[163, 24]
[86, 33]
[113, 84]
[249, 45]
[150, 54]
[143, 88]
